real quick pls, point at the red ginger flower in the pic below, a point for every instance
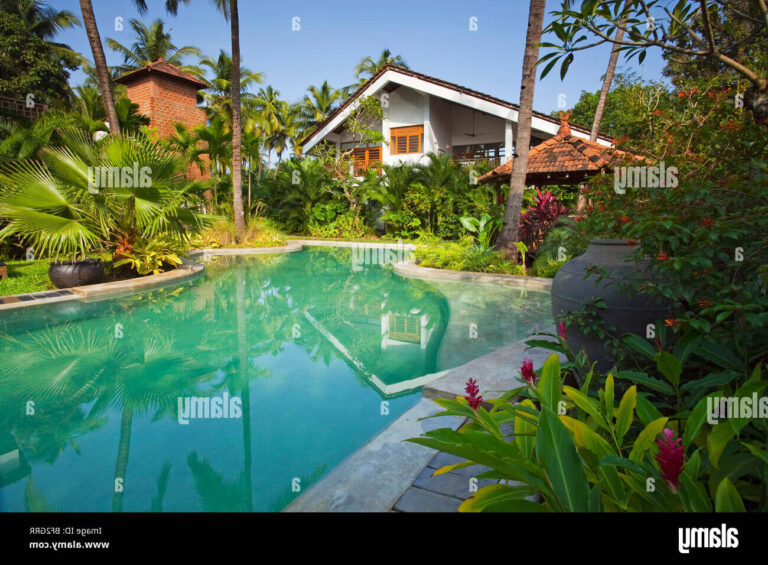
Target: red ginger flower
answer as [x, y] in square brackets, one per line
[527, 371]
[473, 398]
[562, 330]
[670, 458]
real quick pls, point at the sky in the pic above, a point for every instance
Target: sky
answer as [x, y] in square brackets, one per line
[298, 43]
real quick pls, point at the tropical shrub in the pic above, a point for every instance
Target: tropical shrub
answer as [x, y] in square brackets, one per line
[150, 257]
[57, 205]
[463, 255]
[561, 244]
[578, 450]
[539, 218]
[484, 228]
[704, 231]
[222, 233]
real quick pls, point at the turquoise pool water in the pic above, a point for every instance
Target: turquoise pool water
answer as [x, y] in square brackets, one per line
[299, 358]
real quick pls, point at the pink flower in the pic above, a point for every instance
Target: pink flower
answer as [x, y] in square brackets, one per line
[670, 458]
[562, 330]
[527, 371]
[473, 398]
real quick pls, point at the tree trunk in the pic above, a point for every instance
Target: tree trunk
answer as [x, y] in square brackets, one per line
[581, 203]
[249, 183]
[124, 448]
[607, 81]
[514, 204]
[237, 186]
[100, 61]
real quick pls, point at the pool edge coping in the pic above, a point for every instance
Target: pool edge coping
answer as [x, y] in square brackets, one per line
[372, 464]
[187, 270]
[412, 270]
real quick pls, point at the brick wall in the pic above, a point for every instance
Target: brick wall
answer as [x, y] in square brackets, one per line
[167, 100]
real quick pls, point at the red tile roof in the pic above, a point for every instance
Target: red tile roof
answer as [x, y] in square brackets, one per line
[164, 67]
[562, 155]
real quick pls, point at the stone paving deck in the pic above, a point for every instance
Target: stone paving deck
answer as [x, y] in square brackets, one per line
[445, 492]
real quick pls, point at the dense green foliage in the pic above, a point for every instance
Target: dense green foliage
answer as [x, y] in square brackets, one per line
[30, 65]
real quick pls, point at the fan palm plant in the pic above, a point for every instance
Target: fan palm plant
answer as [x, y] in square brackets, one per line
[61, 204]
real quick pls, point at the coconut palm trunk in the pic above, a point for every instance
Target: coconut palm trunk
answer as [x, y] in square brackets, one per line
[237, 125]
[600, 109]
[123, 450]
[245, 391]
[100, 61]
[509, 231]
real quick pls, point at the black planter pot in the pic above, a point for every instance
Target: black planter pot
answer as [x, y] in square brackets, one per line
[629, 313]
[66, 274]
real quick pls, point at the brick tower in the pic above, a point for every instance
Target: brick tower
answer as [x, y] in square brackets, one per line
[166, 95]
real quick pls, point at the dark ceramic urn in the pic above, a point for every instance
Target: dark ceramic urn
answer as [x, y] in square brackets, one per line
[612, 274]
[66, 274]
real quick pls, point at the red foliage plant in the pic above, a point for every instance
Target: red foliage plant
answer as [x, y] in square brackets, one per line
[539, 218]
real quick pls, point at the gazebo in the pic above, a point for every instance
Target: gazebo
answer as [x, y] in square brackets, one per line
[563, 159]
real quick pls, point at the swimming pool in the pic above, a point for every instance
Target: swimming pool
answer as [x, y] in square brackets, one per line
[232, 392]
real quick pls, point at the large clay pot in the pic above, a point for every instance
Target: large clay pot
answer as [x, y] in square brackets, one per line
[629, 312]
[66, 274]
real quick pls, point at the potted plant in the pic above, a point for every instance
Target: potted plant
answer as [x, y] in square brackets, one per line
[89, 197]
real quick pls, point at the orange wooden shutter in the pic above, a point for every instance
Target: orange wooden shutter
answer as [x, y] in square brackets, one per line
[406, 140]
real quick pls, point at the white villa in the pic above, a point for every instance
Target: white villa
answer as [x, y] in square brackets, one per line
[425, 115]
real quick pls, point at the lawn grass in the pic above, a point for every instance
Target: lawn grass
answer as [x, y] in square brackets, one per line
[26, 276]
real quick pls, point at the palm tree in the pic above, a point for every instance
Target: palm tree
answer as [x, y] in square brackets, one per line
[367, 67]
[509, 236]
[318, 104]
[100, 62]
[41, 20]
[214, 140]
[23, 142]
[237, 125]
[218, 96]
[153, 43]
[251, 150]
[267, 105]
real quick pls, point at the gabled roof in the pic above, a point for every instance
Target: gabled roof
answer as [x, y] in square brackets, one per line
[163, 67]
[562, 157]
[401, 75]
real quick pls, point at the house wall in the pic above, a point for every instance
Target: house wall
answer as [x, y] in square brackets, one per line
[486, 129]
[441, 120]
[408, 107]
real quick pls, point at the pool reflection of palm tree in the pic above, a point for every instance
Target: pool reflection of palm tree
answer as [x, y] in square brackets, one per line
[151, 378]
[258, 325]
[43, 406]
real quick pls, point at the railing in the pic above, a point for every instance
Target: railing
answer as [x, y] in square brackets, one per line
[12, 108]
[494, 161]
[359, 169]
